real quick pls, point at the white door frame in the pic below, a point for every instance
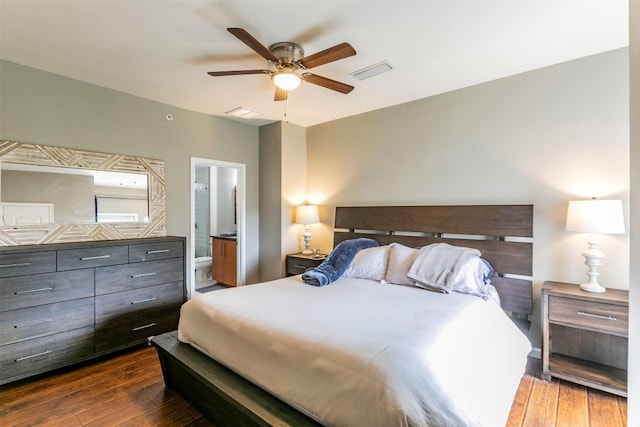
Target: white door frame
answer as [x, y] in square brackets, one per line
[241, 218]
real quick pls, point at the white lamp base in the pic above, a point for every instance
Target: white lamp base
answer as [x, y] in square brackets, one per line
[597, 288]
[593, 259]
[307, 239]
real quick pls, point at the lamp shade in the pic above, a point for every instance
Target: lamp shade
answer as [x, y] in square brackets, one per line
[307, 214]
[595, 216]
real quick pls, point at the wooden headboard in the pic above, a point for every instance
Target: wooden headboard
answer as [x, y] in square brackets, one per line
[502, 233]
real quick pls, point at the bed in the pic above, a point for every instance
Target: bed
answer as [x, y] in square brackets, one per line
[362, 351]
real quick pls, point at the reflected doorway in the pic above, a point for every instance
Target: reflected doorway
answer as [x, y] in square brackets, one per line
[217, 209]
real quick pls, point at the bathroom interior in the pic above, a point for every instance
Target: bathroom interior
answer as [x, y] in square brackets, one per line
[215, 216]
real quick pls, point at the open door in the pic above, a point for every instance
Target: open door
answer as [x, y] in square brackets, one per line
[225, 217]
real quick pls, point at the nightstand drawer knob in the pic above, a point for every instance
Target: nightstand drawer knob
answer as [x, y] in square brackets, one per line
[597, 316]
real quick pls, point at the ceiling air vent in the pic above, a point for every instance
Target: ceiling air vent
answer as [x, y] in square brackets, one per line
[372, 70]
[244, 113]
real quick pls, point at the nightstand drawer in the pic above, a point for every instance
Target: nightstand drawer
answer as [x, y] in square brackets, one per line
[609, 318]
[298, 265]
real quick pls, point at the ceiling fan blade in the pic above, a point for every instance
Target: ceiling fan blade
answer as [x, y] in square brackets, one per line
[254, 44]
[340, 51]
[237, 72]
[281, 94]
[328, 83]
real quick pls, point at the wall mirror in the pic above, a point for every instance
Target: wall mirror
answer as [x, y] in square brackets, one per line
[53, 194]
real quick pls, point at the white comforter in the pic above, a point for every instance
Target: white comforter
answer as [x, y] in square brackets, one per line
[362, 353]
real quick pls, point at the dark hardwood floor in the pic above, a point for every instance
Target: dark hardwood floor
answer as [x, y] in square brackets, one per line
[128, 390]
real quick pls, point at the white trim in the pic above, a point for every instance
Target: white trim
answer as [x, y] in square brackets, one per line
[25, 213]
[241, 219]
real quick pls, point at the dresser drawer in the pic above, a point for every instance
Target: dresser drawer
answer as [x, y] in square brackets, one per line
[610, 318]
[153, 251]
[27, 263]
[27, 323]
[74, 259]
[43, 354]
[28, 291]
[138, 275]
[112, 306]
[136, 327]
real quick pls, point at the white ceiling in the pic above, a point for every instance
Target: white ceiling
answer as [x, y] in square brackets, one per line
[162, 49]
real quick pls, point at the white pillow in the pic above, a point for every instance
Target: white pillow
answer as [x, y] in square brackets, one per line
[369, 263]
[400, 259]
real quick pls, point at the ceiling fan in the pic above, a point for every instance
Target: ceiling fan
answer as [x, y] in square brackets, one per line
[290, 64]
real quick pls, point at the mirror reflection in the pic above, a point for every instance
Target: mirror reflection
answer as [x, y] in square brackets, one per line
[44, 195]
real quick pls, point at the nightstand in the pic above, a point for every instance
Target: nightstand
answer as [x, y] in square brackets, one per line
[585, 336]
[299, 263]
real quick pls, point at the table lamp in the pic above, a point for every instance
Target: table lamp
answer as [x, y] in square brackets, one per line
[595, 217]
[307, 214]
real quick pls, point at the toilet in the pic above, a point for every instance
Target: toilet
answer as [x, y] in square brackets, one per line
[203, 269]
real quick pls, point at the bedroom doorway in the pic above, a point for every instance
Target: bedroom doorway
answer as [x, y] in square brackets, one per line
[217, 199]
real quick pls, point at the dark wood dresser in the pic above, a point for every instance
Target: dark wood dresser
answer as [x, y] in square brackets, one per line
[64, 303]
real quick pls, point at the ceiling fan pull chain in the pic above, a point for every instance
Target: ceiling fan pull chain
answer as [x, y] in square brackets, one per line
[286, 107]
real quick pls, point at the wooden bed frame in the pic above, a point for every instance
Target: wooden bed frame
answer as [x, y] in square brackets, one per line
[503, 233]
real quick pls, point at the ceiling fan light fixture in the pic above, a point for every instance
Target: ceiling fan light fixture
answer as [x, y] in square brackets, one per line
[286, 79]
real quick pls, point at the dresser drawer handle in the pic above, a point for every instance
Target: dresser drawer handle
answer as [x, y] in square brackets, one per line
[597, 316]
[143, 301]
[139, 328]
[159, 251]
[89, 258]
[20, 359]
[29, 291]
[33, 322]
[135, 276]
[19, 264]
[300, 266]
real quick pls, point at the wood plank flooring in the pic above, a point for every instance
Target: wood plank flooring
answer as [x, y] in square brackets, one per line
[128, 390]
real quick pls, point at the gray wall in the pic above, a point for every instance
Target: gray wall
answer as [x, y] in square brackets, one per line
[282, 187]
[270, 200]
[43, 108]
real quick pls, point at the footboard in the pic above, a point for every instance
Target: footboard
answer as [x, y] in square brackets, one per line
[222, 396]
